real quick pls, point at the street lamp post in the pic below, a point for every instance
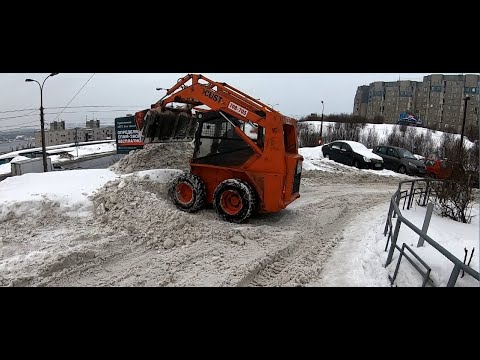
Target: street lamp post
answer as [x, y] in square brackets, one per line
[42, 120]
[463, 126]
[321, 122]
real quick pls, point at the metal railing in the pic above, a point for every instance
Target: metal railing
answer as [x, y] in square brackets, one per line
[394, 211]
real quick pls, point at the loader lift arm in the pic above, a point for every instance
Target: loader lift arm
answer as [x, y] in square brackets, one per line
[223, 98]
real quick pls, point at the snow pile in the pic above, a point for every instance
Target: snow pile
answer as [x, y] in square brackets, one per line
[140, 206]
[83, 151]
[311, 153]
[7, 168]
[383, 130]
[315, 162]
[364, 247]
[21, 196]
[362, 150]
[157, 156]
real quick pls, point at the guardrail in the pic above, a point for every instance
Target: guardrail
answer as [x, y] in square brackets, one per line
[394, 211]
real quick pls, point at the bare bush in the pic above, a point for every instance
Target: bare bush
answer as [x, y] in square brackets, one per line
[345, 131]
[448, 148]
[472, 133]
[395, 138]
[308, 135]
[455, 197]
[370, 139]
[378, 119]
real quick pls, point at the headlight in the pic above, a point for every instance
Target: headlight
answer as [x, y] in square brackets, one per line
[366, 159]
[412, 164]
[299, 168]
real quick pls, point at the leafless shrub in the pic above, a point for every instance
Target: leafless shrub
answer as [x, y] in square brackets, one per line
[370, 139]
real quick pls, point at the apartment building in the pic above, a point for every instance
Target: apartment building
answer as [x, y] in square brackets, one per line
[68, 136]
[438, 100]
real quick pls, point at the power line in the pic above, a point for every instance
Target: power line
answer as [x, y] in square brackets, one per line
[75, 96]
[98, 106]
[97, 111]
[76, 107]
[10, 111]
[18, 116]
[16, 126]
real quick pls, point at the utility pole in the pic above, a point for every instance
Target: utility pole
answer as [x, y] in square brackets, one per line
[42, 119]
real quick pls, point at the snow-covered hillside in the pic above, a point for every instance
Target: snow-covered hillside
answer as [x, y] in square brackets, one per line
[383, 130]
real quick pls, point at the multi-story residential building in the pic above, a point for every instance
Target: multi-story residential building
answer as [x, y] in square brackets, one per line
[92, 124]
[57, 125]
[67, 136]
[438, 100]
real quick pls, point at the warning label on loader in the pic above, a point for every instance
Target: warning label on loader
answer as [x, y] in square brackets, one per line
[127, 135]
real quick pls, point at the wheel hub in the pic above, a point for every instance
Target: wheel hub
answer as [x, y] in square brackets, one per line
[231, 202]
[184, 193]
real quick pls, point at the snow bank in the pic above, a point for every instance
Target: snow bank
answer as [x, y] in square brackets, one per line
[7, 168]
[312, 153]
[156, 156]
[362, 150]
[383, 130]
[359, 260]
[314, 161]
[22, 195]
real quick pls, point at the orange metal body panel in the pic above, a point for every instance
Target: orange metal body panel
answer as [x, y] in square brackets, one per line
[270, 171]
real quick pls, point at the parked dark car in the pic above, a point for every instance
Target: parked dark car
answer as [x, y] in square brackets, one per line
[400, 160]
[352, 153]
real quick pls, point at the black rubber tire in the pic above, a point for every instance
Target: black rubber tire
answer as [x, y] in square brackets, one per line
[247, 194]
[356, 164]
[327, 157]
[199, 195]
[402, 169]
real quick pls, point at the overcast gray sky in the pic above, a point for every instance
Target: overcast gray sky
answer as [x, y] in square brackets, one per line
[295, 94]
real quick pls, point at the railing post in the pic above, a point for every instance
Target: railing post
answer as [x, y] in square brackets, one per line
[411, 195]
[388, 218]
[427, 188]
[426, 223]
[394, 242]
[454, 276]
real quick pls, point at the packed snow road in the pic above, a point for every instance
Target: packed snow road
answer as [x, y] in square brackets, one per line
[133, 236]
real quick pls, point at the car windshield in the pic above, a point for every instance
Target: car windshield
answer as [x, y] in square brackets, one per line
[406, 154]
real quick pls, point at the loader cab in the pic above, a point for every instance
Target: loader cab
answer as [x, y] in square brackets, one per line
[217, 143]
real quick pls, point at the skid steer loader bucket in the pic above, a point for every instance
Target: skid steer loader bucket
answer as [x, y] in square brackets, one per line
[172, 125]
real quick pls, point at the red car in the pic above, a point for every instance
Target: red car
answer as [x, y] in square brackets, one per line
[438, 169]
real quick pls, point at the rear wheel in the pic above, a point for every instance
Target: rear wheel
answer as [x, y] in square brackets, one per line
[356, 164]
[188, 192]
[234, 200]
[327, 157]
[402, 170]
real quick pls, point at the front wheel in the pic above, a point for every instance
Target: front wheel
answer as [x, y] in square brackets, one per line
[327, 157]
[188, 192]
[234, 200]
[402, 170]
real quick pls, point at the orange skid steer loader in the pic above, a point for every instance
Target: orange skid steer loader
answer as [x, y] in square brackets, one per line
[245, 157]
